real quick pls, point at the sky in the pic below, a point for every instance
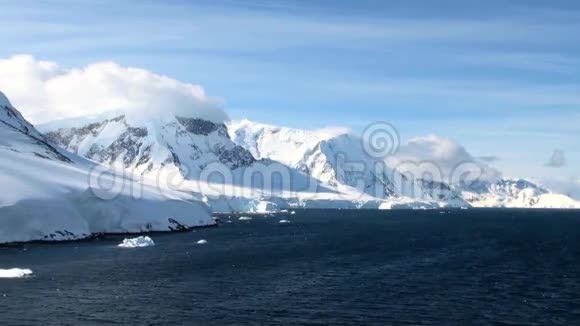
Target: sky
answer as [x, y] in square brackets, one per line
[502, 78]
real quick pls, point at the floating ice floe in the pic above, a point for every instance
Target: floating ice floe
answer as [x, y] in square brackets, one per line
[263, 207]
[202, 242]
[15, 273]
[292, 213]
[284, 222]
[139, 242]
[245, 218]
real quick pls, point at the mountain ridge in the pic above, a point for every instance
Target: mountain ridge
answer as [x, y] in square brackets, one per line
[501, 192]
[335, 160]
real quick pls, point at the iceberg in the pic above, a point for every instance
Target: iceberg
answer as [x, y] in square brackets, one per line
[139, 242]
[15, 273]
[264, 207]
[245, 218]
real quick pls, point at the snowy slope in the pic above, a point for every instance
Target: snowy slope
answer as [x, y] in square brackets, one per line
[48, 194]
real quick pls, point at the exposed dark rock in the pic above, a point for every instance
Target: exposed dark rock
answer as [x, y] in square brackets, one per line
[41, 156]
[176, 226]
[145, 156]
[236, 157]
[438, 190]
[200, 126]
[133, 147]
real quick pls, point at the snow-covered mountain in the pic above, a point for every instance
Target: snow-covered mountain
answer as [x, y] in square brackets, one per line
[321, 170]
[325, 168]
[315, 152]
[190, 154]
[509, 192]
[50, 194]
[173, 144]
[336, 158]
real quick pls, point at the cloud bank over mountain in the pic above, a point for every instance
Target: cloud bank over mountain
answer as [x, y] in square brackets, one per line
[44, 91]
[441, 158]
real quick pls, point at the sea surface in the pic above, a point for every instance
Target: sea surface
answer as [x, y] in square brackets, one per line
[461, 267]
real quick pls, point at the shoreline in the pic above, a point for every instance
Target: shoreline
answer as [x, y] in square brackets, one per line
[104, 235]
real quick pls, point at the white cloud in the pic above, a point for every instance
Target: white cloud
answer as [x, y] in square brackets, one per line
[331, 132]
[43, 91]
[442, 158]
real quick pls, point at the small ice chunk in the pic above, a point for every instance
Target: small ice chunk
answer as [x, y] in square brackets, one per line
[284, 222]
[139, 242]
[245, 218]
[284, 211]
[202, 242]
[292, 213]
[15, 273]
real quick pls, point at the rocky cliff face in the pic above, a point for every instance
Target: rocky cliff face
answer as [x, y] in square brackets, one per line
[186, 144]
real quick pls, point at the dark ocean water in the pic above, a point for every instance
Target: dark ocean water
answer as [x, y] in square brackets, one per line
[326, 267]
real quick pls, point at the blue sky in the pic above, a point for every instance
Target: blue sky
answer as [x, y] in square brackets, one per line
[500, 77]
